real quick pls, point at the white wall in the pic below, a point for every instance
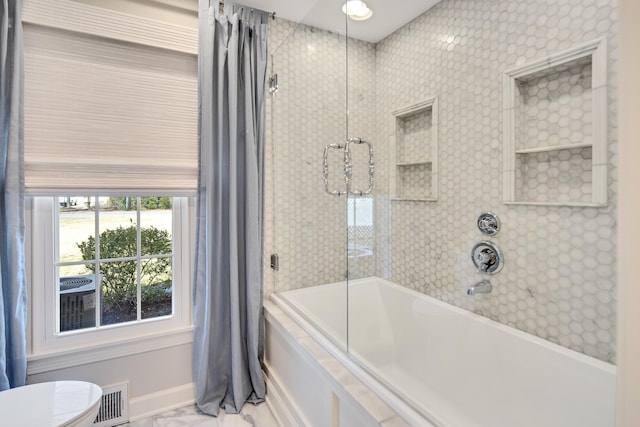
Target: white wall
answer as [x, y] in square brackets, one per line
[628, 397]
[159, 380]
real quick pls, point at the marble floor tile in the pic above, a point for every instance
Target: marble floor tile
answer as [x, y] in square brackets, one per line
[250, 416]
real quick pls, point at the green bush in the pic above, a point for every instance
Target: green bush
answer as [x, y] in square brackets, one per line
[119, 278]
[131, 203]
[155, 203]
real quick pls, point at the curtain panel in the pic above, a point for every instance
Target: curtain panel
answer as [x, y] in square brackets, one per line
[13, 288]
[229, 331]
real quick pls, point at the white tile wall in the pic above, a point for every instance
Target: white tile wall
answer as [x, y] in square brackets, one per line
[555, 109]
[559, 276]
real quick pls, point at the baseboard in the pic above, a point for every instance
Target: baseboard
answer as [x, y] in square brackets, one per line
[161, 401]
[282, 408]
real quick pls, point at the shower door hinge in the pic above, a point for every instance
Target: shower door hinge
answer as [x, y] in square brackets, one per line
[275, 262]
[273, 83]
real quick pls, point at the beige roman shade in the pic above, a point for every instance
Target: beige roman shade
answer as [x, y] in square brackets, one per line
[111, 102]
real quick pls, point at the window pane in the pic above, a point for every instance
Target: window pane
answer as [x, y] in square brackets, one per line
[77, 227]
[360, 226]
[119, 291]
[77, 286]
[134, 257]
[75, 270]
[156, 222]
[157, 287]
[118, 213]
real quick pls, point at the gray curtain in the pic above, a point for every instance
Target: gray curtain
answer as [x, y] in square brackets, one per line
[229, 331]
[13, 289]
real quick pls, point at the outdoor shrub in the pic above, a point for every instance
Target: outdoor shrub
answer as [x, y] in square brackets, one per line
[130, 203]
[119, 278]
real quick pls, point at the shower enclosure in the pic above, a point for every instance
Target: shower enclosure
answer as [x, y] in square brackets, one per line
[474, 145]
[326, 175]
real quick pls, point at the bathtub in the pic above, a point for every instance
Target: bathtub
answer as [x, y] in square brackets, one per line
[455, 368]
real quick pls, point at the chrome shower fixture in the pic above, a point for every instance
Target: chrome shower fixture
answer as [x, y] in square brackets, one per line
[482, 287]
[488, 223]
[273, 83]
[348, 168]
[487, 258]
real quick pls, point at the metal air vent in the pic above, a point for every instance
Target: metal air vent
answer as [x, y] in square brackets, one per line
[114, 409]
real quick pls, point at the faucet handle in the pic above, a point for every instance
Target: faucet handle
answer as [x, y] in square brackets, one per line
[487, 258]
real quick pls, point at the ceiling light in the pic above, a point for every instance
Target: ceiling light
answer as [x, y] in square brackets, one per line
[357, 10]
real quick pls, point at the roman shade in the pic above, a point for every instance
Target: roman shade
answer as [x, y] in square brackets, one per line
[108, 107]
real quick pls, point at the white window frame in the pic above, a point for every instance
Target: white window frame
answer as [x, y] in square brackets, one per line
[52, 350]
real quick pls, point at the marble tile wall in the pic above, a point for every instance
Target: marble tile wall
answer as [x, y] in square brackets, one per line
[559, 277]
[308, 226]
[558, 281]
[555, 108]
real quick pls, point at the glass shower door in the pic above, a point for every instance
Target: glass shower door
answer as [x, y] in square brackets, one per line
[367, 206]
[307, 204]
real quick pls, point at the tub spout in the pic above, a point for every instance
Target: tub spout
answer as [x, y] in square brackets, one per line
[482, 287]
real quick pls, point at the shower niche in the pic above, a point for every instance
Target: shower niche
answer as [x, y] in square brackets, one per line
[555, 129]
[415, 152]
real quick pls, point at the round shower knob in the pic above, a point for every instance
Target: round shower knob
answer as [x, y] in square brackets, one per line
[488, 223]
[487, 258]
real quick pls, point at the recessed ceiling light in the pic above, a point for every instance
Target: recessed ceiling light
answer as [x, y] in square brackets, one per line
[357, 10]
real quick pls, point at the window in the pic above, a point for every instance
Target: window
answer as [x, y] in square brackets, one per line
[360, 226]
[109, 268]
[110, 129]
[114, 260]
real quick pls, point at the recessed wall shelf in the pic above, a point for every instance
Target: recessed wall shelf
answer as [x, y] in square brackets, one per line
[416, 163]
[415, 152]
[552, 148]
[555, 129]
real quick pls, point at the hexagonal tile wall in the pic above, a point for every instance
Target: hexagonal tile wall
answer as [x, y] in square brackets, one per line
[559, 276]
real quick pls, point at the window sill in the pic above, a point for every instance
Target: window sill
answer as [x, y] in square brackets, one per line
[70, 357]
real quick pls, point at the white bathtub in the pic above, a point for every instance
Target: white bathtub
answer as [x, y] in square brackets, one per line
[456, 368]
